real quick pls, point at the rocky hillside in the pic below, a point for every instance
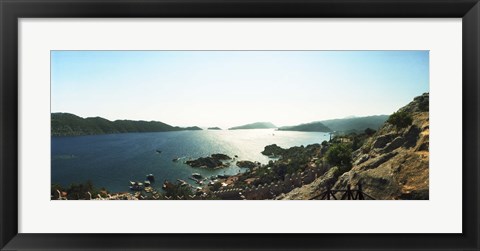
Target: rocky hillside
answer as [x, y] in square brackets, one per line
[391, 164]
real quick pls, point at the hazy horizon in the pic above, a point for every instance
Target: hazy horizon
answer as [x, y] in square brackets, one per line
[278, 126]
[231, 88]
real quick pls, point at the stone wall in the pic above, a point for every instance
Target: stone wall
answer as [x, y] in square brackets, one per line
[270, 191]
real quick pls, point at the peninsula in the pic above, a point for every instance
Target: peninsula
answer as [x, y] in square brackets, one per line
[67, 124]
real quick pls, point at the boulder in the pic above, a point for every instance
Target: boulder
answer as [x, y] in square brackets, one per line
[361, 159]
[374, 163]
[411, 136]
[383, 140]
[396, 143]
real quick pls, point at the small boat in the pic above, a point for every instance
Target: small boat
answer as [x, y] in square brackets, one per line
[175, 159]
[197, 175]
[158, 151]
[167, 185]
[136, 186]
[151, 178]
[200, 182]
[147, 183]
[182, 182]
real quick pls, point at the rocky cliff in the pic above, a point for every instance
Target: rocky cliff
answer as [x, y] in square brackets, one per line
[391, 164]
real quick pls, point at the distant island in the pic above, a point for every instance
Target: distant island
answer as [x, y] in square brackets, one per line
[67, 124]
[257, 125]
[214, 128]
[355, 124]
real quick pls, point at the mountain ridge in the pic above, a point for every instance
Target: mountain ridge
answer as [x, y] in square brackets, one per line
[348, 124]
[68, 124]
[308, 127]
[256, 125]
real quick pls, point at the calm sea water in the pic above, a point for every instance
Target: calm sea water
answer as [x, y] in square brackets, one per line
[111, 161]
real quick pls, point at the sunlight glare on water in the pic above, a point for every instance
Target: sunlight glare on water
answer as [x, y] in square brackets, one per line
[111, 161]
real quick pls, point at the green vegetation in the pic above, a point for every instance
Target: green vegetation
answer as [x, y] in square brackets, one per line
[66, 124]
[369, 131]
[400, 119]
[358, 140]
[340, 154]
[294, 159]
[257, 125]
[423, 103]
[273, 150]
[77, 191]
[178, 190]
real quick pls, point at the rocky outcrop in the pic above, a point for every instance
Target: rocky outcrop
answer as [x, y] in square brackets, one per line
[318, 186]
[397, 165]
[392, 164]
[273, 150]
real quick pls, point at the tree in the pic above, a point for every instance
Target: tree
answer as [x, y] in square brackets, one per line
[400, 119]
[340, 155]
[369, 131]
[324, 143]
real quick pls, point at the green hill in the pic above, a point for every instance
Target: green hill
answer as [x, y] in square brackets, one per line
[66, 124]
[358, 124]
[355, 124]
[309, 127]
[257, 125]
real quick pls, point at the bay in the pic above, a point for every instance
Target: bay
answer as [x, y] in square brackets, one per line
[111, 161]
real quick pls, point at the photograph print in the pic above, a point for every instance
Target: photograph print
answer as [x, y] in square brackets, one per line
[239, 125]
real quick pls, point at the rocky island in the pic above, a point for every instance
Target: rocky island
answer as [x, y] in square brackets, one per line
[213, 162]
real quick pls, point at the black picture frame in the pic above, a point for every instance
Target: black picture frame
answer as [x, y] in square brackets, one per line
[12, 10]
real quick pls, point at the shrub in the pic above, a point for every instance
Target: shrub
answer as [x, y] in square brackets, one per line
[369, 131]
[400, 119]
[340, 155]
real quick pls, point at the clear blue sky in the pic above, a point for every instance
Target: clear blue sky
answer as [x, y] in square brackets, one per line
[229, 88]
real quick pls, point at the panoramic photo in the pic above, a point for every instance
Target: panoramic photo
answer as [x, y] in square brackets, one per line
[239, 125]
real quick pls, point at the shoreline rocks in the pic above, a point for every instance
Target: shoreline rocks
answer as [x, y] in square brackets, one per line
[273, 150]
